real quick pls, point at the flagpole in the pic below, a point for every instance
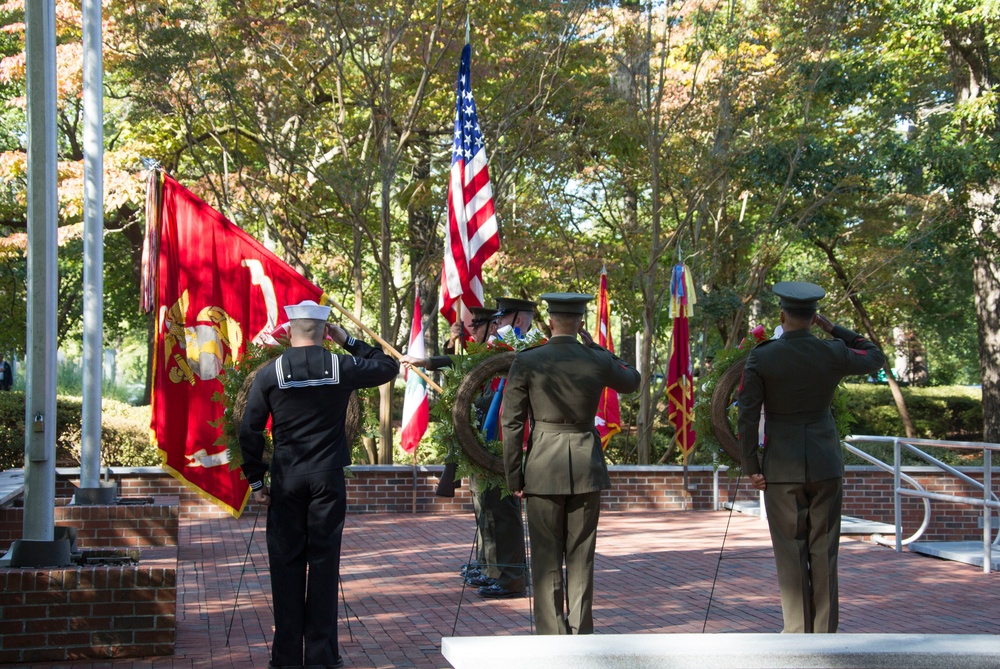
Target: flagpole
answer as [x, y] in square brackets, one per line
[385, 344]
[414, 509]
[460, 319]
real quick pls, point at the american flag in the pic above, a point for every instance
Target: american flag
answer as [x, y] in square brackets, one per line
[471, 235]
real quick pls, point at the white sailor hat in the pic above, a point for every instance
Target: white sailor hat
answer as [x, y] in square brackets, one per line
[307, 309]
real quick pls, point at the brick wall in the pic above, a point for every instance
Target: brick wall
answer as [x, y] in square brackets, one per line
[126, 526]
[90, 612]
[868, 494]
[390, 489]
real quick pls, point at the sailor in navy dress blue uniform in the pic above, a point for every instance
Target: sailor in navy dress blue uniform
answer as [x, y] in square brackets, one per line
[305, 393]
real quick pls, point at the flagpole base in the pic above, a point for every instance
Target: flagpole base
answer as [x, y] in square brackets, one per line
[36, 554]
[104, 495]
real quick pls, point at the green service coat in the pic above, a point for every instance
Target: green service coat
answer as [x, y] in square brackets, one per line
[794, 379]
[558, 386]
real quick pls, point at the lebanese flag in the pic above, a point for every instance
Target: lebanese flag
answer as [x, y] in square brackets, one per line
[609, 416]
[416, 412]
[215, 289]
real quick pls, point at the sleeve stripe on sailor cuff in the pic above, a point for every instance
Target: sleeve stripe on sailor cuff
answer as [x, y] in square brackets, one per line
[351, 341]
[256, 485]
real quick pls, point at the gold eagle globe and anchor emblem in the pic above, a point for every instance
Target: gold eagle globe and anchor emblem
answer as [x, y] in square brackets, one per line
[202, 349]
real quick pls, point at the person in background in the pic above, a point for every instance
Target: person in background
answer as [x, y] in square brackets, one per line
[6, 375]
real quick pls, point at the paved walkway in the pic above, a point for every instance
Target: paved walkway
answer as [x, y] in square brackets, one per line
[654, 574]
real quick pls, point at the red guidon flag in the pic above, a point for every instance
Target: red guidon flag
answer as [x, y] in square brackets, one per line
[609, 416]
[471, 235]
[680, 377]
[416, 411]
[214, 289]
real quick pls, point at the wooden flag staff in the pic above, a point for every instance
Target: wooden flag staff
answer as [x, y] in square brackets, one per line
[385, 344]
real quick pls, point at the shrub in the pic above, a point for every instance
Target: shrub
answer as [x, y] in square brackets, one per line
[125, 440]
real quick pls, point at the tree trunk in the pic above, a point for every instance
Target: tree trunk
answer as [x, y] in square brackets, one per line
[986, 281]
[970, 57]
[866, 321]
[423, 245]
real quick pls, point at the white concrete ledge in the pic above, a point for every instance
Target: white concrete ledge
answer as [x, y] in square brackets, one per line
[725, 651]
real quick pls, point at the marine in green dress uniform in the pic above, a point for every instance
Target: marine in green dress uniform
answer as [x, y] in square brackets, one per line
[792, 380]
[551, 397]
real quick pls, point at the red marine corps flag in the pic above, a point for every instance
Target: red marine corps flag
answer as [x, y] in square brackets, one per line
[471, 235]
[214, 289]
[680, 378]
[609, 416]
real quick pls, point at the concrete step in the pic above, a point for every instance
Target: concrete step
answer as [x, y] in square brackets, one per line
[11, 484]
[725, 651]
[969, 552]
[848, 524]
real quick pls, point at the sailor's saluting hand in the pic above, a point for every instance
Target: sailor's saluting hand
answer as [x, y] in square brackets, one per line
[336, 333]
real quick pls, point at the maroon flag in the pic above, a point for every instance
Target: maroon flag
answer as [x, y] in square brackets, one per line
[609, 418]
[680, 378]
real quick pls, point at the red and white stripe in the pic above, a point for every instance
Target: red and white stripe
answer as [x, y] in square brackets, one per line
[416, 411]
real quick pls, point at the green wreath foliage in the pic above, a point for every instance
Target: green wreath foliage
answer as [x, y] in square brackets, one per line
[443, 434]
[233, 378]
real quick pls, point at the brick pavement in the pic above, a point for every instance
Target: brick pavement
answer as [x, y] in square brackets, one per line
[654, 574]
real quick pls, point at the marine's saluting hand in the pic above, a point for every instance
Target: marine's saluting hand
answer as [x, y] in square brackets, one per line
[823, 322]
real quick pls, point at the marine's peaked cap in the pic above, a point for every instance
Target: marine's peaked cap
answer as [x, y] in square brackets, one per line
[481, 315]
[508, 305]
[799, 294]
[567, 303]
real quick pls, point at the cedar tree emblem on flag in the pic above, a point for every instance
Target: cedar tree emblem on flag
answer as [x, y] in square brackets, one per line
[214, 289]
[680, 377]
[608, 419]
[471, 235]
[416, 413]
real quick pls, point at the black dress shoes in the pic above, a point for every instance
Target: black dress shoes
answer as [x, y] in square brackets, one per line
[495, 591]
[480, 581]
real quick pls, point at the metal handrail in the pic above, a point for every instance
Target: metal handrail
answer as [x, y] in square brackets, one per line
[879, 538]
[987, 503]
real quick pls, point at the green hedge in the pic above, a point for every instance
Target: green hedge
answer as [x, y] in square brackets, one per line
[953, 413]
[949, 413]
[124, 433]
